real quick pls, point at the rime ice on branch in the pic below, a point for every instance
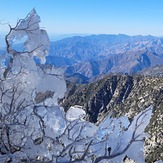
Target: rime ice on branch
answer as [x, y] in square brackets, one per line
[24, 41]
[33, 40]
[32, 125]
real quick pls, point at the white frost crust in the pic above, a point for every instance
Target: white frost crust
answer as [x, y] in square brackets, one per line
[75, 112]
[30, 37]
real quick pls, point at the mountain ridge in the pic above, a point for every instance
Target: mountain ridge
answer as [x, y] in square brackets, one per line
[95, 55]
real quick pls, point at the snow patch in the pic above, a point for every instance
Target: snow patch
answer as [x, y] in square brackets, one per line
[75, 112]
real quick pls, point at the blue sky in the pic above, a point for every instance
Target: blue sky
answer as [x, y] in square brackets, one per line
[130, 17]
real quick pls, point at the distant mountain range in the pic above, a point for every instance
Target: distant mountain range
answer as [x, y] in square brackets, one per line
[156, 71]
[95, 55]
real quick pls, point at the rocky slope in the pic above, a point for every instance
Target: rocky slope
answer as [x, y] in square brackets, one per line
[123, 95]
[156, 71]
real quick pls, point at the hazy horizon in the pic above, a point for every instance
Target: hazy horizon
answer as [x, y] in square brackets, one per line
[57, 36]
